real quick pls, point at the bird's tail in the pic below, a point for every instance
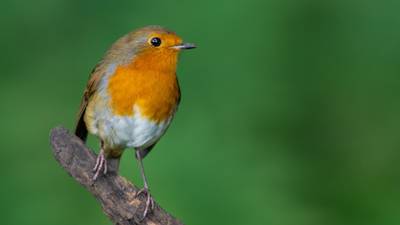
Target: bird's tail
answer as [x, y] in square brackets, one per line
[81, 129]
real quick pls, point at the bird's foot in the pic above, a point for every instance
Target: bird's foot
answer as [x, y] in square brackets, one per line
[149, 201]
[101, 164]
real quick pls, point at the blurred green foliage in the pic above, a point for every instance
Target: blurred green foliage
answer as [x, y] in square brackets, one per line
[290, 112]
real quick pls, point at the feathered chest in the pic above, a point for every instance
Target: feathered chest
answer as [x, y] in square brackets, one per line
[156, 94]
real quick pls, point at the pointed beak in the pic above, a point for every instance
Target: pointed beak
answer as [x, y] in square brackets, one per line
[184, 46]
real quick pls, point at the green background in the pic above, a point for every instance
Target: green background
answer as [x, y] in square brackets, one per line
[290, 113]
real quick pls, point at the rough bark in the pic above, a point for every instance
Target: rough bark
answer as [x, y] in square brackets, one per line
[116, 195]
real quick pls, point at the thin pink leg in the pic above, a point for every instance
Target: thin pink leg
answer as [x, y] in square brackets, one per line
[101, 163]
[145, 190]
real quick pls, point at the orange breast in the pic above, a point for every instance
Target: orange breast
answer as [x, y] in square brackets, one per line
[151, 87]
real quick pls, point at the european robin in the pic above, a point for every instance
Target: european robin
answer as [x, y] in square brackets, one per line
[131, 97]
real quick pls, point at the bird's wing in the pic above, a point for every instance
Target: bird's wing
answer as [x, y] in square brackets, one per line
[91, 87]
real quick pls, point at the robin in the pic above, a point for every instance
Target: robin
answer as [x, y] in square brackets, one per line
[131, 97]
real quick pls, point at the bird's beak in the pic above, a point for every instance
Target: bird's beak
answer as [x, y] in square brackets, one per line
[184, 46]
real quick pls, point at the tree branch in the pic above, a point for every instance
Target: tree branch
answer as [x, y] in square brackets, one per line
[116, 195]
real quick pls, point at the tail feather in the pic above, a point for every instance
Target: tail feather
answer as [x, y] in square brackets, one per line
[81, 130]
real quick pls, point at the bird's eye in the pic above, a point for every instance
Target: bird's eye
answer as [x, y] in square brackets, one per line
[155, 41]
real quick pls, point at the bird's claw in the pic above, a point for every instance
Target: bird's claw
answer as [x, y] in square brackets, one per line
[101, 164]
[149, 201]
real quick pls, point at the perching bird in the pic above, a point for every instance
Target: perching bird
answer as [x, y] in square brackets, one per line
[132, 96]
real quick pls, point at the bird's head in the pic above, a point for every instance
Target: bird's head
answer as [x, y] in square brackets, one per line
[150, 48]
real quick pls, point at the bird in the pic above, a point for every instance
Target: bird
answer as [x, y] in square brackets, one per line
[131, 97]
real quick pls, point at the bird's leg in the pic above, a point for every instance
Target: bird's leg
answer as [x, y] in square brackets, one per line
[101, 163]
[145, 190]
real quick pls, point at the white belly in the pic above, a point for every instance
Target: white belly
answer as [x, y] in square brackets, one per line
[127, 131]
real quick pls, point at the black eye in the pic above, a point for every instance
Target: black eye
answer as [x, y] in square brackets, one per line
[156, 41]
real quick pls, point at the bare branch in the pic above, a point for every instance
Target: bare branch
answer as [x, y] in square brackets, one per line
[115, 194]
